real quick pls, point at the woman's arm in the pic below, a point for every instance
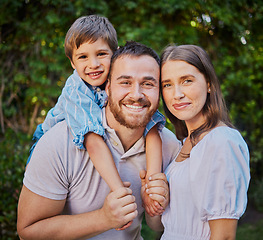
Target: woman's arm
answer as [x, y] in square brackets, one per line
[223, 229]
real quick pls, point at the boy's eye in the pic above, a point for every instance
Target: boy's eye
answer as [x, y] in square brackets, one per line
[102, 54]
[82, 57]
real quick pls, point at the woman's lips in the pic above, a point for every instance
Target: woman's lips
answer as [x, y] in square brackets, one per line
[180, 106]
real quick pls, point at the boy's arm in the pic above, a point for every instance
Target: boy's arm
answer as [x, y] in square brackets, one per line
[153, 152]
[39, 217]
[81, 112]
[159, 191]
[102, 160]
[153, 165]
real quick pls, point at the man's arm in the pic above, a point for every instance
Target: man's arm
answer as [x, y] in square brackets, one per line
[39, 217]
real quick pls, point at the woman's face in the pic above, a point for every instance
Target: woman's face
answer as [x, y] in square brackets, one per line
[184, 91]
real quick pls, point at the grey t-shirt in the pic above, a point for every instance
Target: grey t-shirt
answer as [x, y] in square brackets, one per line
[58, 170]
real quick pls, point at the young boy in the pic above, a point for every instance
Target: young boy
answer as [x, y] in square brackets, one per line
[89, 45]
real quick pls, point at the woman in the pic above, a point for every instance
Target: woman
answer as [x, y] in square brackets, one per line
[209, 178]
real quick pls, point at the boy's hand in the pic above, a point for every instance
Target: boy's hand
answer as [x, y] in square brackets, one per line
[154, 193]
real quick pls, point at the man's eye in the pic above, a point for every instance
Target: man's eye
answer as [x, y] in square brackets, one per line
[82, 57]
[148, 84]
[166, 85]
[125, 83]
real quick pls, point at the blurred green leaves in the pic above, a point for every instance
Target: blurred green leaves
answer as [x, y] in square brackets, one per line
[34, 67]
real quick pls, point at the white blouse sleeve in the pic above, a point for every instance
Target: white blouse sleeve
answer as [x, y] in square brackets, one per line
[219, 174]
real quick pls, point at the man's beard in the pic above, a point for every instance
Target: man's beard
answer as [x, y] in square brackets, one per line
[136, 122]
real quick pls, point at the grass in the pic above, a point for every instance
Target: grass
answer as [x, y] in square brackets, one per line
[244, 232]
[250, 231]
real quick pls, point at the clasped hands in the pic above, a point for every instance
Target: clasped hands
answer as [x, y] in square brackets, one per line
[155, 193]
[120, 209]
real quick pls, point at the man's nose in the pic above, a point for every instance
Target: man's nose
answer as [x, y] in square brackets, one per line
[136, 91]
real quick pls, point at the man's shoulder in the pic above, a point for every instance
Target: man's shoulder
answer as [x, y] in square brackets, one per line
[168, 135]
[169, 140]
[58, 133]
[170, 146]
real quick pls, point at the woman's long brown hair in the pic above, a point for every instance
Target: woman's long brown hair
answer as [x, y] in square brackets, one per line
[215, 109]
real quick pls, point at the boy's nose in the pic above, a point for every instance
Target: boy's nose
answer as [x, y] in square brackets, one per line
[93, 63]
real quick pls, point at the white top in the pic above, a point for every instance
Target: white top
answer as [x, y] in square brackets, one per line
[58, 170]
[211, 184]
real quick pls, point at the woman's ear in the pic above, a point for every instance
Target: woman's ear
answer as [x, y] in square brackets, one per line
[208, 88]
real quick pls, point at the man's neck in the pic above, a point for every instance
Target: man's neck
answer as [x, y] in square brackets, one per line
[127, 136]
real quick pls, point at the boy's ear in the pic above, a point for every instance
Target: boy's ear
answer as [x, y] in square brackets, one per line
[72, 64]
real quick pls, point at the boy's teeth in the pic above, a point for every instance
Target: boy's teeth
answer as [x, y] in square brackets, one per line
[94, 74]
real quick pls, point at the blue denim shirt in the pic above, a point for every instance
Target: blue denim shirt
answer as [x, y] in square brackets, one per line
[80, 105]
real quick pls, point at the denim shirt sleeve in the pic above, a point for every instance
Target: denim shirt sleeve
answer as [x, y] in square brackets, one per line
[157, 119]
[77, 105]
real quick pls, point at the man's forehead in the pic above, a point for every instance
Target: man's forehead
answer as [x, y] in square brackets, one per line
[130, 65]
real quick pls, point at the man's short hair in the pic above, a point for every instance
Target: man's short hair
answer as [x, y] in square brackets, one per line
[133, 49]
[90, 29]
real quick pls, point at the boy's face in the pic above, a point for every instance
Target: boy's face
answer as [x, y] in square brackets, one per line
[92, 61]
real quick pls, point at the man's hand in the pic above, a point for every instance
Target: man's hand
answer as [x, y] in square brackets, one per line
[155, 194]
[120, 208]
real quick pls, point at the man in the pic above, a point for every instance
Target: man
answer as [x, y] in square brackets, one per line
[64, 197]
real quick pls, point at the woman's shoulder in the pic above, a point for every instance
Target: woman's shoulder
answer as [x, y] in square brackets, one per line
[222, 136]
[222, 142]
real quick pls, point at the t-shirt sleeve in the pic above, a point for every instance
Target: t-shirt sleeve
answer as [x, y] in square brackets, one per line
[170, 147]
[46, 173]
[220, 178]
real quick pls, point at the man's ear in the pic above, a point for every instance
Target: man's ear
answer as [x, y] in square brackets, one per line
[107, 87]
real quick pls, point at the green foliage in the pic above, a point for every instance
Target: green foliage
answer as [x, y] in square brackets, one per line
[250, 232]
[34, 67]
[147, 233]
[257, 194]
[13, 152]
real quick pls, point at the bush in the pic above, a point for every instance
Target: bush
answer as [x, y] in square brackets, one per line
[13, 151]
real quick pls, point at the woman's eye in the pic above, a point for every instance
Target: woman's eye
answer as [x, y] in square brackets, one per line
[186, 81]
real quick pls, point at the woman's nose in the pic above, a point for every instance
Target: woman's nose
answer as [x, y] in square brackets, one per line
[178, 92]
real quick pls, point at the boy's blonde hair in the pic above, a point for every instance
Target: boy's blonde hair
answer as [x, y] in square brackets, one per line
[90, 29]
